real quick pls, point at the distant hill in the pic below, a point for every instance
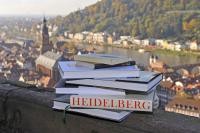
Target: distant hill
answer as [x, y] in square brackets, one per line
[143, 18]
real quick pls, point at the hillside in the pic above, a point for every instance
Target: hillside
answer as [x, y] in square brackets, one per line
[144, 18]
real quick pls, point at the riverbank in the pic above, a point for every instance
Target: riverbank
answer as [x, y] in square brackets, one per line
[141, 55]
[178, 53]
[155, 50]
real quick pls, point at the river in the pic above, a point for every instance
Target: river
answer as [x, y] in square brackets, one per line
[143, 58]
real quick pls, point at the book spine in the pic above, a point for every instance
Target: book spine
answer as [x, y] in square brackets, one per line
[108, 61]
[99, 66]
[78, 101]
[89, 59]
[91, 91]
[85, 64]
[101, 74]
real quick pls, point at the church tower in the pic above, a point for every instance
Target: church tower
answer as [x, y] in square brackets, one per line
[46, 46]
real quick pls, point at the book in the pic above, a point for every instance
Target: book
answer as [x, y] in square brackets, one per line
[101, 59]
[99, 66]
[82, 90]
[68, 70]
[145, 83]
[105, 86]
[62, 102]
[134, 102]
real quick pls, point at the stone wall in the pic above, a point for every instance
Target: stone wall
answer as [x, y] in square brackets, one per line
[25, 109]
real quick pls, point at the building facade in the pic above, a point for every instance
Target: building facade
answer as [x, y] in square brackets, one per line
[46, 64]
[184, 105]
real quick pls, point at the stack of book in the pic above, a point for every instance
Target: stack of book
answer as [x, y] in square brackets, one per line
[105, 86]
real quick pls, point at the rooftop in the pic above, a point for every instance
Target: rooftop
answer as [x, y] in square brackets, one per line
[52, 55]
[48, 59]
[185, 102]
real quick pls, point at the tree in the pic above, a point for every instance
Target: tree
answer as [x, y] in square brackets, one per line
[146, 18]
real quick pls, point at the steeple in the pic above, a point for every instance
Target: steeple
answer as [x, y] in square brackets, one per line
[44, 20]
[45, 38]
[45, 28]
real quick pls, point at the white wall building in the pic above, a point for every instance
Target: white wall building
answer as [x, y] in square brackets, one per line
[99, 38]
[79, 36]
[125, 37]
[192, 45]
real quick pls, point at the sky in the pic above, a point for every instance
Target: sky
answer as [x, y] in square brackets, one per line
[42, 7]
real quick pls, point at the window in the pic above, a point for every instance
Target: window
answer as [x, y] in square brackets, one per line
[186, 106]
[195, 108]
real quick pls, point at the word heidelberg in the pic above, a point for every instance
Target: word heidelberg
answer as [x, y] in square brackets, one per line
[110, 102]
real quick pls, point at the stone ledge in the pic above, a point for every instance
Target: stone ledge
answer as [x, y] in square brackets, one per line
[29, 110]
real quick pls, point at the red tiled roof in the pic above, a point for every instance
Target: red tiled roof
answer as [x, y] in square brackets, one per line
[185, 101]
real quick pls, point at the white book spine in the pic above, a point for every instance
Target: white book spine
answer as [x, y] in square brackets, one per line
[94, 112]
[110, 84]
[100, 74]
[89, 91]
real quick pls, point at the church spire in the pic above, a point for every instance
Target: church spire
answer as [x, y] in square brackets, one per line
[44, 20]
[45, 28]
[45, 38]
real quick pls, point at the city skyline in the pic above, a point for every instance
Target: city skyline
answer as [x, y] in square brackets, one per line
[44, 7]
